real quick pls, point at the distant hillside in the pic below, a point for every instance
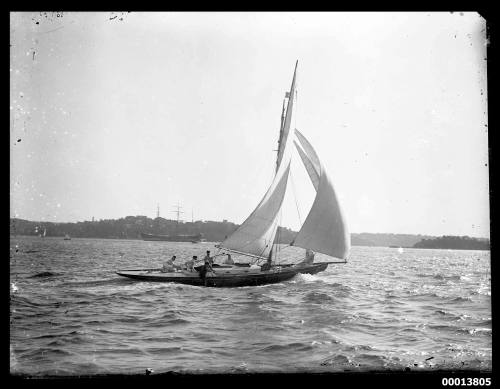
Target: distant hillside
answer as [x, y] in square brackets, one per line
[386, 240]
[454, 242]
[130, 227]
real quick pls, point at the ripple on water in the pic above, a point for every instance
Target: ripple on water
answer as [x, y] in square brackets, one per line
[289, 347]
[83, 319]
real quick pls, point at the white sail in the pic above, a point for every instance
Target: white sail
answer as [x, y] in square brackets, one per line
[288, 120]
[311, 169]
[325, 229]
[256, 235]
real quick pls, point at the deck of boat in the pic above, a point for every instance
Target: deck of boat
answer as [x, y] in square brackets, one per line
[224, 277]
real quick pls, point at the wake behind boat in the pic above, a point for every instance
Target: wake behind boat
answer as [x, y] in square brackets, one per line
[323, 231]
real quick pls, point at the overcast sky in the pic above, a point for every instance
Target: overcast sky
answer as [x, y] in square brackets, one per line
[114, 113]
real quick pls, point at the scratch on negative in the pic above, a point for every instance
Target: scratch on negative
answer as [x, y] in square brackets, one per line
[55, 29]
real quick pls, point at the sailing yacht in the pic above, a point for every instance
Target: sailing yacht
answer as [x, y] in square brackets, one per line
[323, 231]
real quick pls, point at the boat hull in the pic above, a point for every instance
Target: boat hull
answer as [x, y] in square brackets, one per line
[314, 268]
[224, 277]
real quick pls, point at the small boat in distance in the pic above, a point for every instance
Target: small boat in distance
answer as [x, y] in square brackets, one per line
[41, 234]
[323, 231]
[67, 237]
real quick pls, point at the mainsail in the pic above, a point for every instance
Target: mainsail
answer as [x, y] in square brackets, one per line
[256, 235]
[325, 229]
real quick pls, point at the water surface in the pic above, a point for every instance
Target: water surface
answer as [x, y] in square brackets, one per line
[383, 310]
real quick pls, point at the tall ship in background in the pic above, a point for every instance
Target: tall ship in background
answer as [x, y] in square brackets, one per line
[194, 238]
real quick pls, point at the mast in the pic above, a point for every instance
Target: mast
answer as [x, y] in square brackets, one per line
[280, 134]
[256, 235]
[285, 121]
[158, 210]
[178, 211]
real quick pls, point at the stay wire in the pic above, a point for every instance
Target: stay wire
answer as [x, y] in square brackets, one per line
[295, 198]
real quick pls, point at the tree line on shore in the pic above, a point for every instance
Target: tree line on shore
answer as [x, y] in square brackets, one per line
[131, 227]
[454, 242]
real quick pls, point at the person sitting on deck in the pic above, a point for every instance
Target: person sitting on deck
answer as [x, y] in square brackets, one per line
[228, 260]
[268, 264]
[189, 264]
[169, 266]
[309, 257]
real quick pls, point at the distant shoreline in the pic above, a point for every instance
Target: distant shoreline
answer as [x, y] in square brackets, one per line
[132, 227]
[217, 242]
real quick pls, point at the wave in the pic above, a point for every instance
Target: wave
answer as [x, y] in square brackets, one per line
[304, 277]
[162, 322]
[460, 299]
[441, 277]
[473, 331]
[45, 274]
[42, 353]
[166, 350]
[105, 282]
[339, 359]
[295, 346]
[317, 298]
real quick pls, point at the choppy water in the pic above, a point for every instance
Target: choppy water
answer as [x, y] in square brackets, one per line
[70, 314]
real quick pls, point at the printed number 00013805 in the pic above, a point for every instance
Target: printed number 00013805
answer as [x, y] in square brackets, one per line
[466, 381]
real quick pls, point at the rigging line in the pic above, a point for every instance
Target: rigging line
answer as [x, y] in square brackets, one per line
[296, 104]
[278, 247]
[295, 198]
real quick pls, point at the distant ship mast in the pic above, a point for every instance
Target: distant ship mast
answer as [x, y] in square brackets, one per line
[178, 211]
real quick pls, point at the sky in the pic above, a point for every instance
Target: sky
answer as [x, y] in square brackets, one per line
[114, 113]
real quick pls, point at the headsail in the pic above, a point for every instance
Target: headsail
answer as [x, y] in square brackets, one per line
[325, 229]
[312, 170]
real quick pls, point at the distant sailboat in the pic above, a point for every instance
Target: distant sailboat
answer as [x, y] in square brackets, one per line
[323, 231]
[38, 230]
[67, 237]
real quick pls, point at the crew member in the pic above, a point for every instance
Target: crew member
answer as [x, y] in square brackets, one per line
[228, 260]
[168, 265]
[309, 257]
[208, 259]
[189, 264]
